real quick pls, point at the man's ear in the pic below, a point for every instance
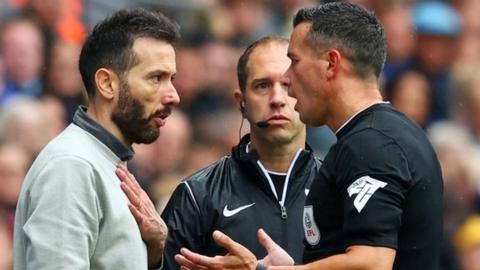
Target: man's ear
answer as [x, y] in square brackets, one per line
[238, 95]
[334, 57]
[107, 83]
[240, 99]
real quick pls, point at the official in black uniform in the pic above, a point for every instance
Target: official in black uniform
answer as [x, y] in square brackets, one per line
[263, 184]
[377, 202]
[265, 181]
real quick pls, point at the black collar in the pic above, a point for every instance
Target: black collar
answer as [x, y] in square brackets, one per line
[82, 120]
[240, 154]
[352, 122]
[240, 150]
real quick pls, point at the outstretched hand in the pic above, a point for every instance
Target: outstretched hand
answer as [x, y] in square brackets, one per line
[275, 254]
[152, 228]
[238, 256]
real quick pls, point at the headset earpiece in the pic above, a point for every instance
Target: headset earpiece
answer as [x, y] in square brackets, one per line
[243, 110]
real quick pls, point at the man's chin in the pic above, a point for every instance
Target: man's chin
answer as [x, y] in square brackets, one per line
[279, 136]
[147, 137]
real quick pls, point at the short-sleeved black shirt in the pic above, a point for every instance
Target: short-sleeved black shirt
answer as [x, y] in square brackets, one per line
[380, 185]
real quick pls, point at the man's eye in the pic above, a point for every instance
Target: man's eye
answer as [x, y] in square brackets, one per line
[157, 78]
[262, 85]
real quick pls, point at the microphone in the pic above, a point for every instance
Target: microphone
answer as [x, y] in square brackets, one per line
[262, 124]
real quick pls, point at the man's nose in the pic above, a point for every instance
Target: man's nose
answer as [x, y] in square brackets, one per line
[171, 97]
[286, 82]
[279, 94]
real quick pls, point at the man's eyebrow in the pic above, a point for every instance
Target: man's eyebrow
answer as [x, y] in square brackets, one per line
[160, 72]
[263, 79]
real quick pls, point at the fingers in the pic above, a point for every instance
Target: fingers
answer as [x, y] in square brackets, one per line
[132, 189]
[136, 214]
[233, 247]
[135, 205]
[193, 260]
[225, 241]
[185, 264]
[131, 195]
[125, 178]
[128, 178]
[266, 241]
[134, 180]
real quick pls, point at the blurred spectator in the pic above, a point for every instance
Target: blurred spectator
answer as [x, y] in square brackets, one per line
[221, 130]
[286, 11]
[2, 81]
[53, 107]
[467, 80]
[61, 18]
[437, 26]
[398, 24]
[63, 78]
[151, 162]
[6, 246]
[14, 163]
[249, 20]
[190, 80]
[23, 122]
[97, 10]
[176, 137]
[410, 94]
[21, 50]
[219, 63]
[468, 52]
[201, 155]
[467, 240]
[461, 175]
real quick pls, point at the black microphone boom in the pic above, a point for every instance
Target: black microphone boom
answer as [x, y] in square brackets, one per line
[262, 124]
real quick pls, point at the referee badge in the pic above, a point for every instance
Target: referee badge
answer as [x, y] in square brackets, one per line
[364, 187]
[312, 233]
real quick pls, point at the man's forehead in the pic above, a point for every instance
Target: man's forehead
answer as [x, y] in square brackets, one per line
[147, 45]
[268, 61]
[300, 32]
[152, 52]
[269, 53]
[298, 40]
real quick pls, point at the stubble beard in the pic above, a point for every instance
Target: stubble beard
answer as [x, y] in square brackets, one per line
[129, 116]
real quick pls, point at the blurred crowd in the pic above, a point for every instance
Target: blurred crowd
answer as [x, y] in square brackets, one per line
[432, 74]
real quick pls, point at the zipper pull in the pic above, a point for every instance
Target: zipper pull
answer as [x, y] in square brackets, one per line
[284, 212]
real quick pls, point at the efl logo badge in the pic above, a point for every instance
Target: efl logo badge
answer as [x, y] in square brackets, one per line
[365, 187]
[312, 233]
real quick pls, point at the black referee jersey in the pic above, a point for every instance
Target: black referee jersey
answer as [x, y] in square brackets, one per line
[380, 185]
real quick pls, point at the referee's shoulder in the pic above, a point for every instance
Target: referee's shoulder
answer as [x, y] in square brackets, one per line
[208, 173]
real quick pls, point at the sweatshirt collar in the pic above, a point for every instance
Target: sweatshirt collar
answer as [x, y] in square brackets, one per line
[82, 120]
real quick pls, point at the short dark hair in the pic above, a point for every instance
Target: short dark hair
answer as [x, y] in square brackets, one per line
[242, 71]
[355, 31]
[110, 43]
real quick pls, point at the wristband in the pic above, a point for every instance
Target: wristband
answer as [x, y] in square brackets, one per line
[261, 266]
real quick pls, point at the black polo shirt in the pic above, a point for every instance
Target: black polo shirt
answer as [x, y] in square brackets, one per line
[380, 185]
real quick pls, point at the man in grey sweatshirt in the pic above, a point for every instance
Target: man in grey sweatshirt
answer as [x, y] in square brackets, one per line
[72, 213]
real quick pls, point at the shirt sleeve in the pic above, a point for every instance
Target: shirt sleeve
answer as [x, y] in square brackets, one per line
[182, 216]
[373, 185]
[63, 216]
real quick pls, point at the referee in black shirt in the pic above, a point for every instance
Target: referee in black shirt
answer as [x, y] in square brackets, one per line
[377, 203]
